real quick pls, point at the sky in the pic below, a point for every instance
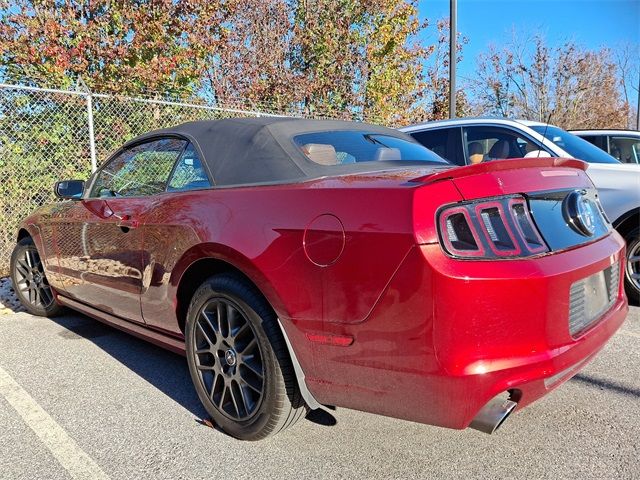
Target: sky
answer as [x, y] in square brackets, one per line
[590, 23]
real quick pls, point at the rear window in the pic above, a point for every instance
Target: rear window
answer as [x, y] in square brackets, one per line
[350, 147]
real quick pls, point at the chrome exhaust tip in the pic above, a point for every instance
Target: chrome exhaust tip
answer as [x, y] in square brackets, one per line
[492, 415]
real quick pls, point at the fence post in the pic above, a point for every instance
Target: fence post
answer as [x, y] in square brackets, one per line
[80, 85]
[92, 140]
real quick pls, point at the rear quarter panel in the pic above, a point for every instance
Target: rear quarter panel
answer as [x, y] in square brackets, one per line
[261, 230]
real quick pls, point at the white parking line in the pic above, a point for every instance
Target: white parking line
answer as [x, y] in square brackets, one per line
[64, 448]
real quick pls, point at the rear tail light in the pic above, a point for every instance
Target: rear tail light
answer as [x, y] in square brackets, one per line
[497, 232]
[461, 237]
[501, 228]
[525, 226]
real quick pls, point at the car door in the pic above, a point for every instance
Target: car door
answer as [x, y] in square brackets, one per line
[99, 239]
[482, 143]
[169, 233]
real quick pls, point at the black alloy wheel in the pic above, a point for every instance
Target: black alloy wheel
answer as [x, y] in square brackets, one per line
[228, 359]
[30, 282]
[238, 360]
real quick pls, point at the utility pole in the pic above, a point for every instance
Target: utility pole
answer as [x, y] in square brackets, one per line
[452, 57]
[638, 108]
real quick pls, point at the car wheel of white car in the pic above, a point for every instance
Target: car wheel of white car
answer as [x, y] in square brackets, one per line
[632, 275]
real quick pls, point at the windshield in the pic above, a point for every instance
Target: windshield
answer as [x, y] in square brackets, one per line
[574, 145]
[352, 146]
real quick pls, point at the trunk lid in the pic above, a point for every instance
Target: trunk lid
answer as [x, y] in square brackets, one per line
[542, 195]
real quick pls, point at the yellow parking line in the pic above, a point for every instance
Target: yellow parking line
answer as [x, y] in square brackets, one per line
[64, 448]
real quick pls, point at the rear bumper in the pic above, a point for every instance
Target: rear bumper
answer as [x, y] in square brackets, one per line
[448, 335]
[533, 377]
[509, 328]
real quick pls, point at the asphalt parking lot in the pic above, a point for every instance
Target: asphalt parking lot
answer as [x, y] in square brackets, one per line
[82, 400]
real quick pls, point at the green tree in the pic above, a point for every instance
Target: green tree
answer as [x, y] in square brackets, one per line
[362, 58]
[326, 53]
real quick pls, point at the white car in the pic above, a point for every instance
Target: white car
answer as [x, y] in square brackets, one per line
[624, 145]
[465, 141]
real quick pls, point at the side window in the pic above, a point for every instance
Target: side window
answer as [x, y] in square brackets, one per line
[600, 141]
[439, 142]
[483, 144]
[590, 139]
[625, 149]
[139, 171]
[189, 173]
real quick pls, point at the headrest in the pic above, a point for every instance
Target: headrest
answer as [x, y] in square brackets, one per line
[475, 148]
[500, 149]
[385, 154]
[321, 153]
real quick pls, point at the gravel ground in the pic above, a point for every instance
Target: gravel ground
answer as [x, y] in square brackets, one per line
[77, 396]
[8, 301]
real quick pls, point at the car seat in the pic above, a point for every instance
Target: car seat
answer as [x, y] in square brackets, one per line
[499, 150]
[321, 153]
[476, 152]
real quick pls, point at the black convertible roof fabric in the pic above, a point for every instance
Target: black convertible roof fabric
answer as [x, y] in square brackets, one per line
[240, 151]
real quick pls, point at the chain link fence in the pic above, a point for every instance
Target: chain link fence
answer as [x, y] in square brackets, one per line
[47, 135]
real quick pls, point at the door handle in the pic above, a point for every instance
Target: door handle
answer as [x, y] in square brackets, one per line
[128, 224]
[125, 221]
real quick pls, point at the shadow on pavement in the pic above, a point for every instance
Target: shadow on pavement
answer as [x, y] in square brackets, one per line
[166, 371]
[606, 384]
[321, 417]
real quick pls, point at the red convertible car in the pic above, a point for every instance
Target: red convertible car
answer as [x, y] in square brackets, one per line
[303, 263]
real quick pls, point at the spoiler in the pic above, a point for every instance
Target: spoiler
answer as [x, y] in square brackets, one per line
[500, 165]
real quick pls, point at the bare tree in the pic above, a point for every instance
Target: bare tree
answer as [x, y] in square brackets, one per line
[437, 74]
[575, 87]
[627, 59]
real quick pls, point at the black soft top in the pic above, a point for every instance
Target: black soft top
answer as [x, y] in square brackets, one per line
[239, 151]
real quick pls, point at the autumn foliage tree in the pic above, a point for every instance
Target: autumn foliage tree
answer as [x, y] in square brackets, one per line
[393, 78]
[574, 87]
[336, 58]
[347, 58]
[252, 64]
[117, 46]
[367, 59]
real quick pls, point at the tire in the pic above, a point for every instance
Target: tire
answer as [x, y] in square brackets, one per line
[30, 282]
[632, 266]
[238, 360]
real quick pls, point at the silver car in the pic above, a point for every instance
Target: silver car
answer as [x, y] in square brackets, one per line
[467, 141]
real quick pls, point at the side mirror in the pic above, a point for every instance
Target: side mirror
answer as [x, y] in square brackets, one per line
[69, 189]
